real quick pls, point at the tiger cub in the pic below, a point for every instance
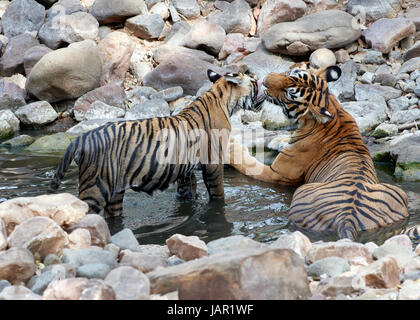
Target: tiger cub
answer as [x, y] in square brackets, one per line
[150, 154]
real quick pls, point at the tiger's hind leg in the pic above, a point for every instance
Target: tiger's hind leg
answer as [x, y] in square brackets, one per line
[213, 179]
[114, 206]
[187, 187]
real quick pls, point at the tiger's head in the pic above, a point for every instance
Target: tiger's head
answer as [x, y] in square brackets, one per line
[302, 93]
[243, 91]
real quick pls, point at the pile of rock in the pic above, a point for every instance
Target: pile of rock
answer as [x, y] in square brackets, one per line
[57, 252]
[74, 65]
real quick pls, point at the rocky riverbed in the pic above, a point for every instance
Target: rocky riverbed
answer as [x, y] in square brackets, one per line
[69, 66]
[51, 249]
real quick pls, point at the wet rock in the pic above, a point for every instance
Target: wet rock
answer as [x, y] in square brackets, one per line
[331, 266]
[107, 11]
[143, 262]
[206, 36]
[187, 247]
[11, 96]
[63, 28]
[93, 270]
[79, 239]
[385, 130]
[384, 34]
[341, 284]
[97, 290]
[232, 43]
[374, 9]
[17, 259]
[18, 293]
[410, 290]
[36, 114]
[125, 239]
[145, 26]
[243, 274]
[322, 58]
[228, 244]
[97, 227]
[355, 253]
[55, 143]
[66, 73]
[65, 289]
[115, 52]
[273, 12]
[12, 60]
[236, 18]
[69, 212]
[367, 114]
[33, 55]
[21, 16]
[383, 273]
[92, 255]
[295, 241]
[9, 117]
[128, 283]
[148, 109]
[187, 8]
[328, 29]
[40, 235]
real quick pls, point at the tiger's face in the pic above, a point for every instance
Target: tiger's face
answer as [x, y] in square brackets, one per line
[245, 90]
[302, 93]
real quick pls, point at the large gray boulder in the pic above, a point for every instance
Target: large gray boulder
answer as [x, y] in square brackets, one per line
[66, 73]
[21, 16]
[325, 29]
[107, 11]
[180, 70]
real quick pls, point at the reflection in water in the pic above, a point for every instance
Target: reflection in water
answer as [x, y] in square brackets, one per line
[252, 208]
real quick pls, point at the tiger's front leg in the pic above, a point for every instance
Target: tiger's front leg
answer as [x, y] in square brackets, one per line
[114, 206]
[284, 170]
[187, 187]
[213, 179]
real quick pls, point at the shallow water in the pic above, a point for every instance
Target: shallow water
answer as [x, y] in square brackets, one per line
[252, 208]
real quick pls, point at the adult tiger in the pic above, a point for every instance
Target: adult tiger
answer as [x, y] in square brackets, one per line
[326, 154]
[147, 155]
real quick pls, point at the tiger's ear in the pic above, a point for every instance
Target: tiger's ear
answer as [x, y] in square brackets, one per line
[329, 74]
[213, 76]
[332, 73]
[233, 78]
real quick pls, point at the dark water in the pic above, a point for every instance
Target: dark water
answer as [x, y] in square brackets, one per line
[252, 208]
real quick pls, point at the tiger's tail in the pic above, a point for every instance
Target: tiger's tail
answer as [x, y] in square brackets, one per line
[64, 165]
[412, 232]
